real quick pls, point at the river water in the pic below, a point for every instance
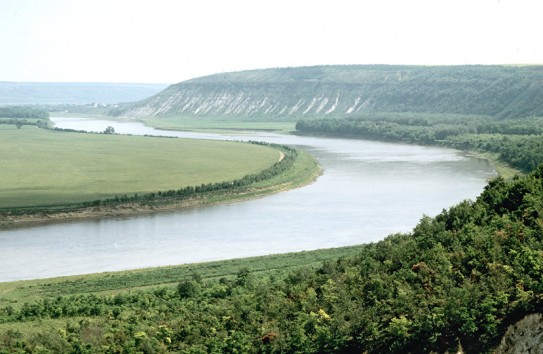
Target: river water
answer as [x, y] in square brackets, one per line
[368, 190]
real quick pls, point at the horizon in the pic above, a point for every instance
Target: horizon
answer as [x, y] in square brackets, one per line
[238, 71]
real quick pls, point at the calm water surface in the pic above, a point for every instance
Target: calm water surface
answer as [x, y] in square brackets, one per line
[368, 190]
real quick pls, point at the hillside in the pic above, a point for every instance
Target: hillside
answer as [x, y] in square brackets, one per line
[337, 91]
[19, 93]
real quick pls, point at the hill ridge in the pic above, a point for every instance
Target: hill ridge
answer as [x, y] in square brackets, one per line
[344, 90]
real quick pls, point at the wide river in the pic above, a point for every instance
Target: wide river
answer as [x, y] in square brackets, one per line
[368, 190]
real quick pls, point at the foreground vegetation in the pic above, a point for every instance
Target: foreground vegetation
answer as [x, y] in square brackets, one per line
[458, 278]
[16, 293]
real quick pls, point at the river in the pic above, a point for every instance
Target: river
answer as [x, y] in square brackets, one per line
[368, 190]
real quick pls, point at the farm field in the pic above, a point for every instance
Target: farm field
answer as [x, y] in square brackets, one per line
[219, 125]
[55, 168]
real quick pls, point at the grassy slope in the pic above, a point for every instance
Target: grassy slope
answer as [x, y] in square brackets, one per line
[294, 93]
[16, 293]
[45, 167]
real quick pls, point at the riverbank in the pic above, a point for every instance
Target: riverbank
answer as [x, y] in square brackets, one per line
[502, 168]
[304, 170]
[16, 293]
[192, 125]
[368, 190]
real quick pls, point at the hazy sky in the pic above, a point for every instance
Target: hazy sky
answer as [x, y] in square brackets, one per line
[167, 41]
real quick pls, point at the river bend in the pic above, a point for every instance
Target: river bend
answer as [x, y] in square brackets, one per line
[368, 190]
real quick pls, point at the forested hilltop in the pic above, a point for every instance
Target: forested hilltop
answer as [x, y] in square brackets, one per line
[343, 91]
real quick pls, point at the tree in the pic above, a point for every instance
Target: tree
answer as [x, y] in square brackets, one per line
[188, 288]
[109, 130]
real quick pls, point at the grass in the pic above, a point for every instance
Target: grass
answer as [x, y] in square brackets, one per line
[16, 293]
[94, 113]
[30, 327]
[220, 125]
[304, 171]
[42, 167]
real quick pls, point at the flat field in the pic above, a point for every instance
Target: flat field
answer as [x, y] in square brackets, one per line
[42, 167]
[219, 125]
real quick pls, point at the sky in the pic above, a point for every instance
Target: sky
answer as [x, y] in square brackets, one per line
[168, 41]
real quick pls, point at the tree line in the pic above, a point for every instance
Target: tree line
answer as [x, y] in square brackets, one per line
[19, 122]
[23, 112]
[518, 142]
[24, 115]
[277, 168]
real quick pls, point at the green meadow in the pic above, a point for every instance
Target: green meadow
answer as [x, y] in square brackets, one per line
[220, 125]
[43, 167]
